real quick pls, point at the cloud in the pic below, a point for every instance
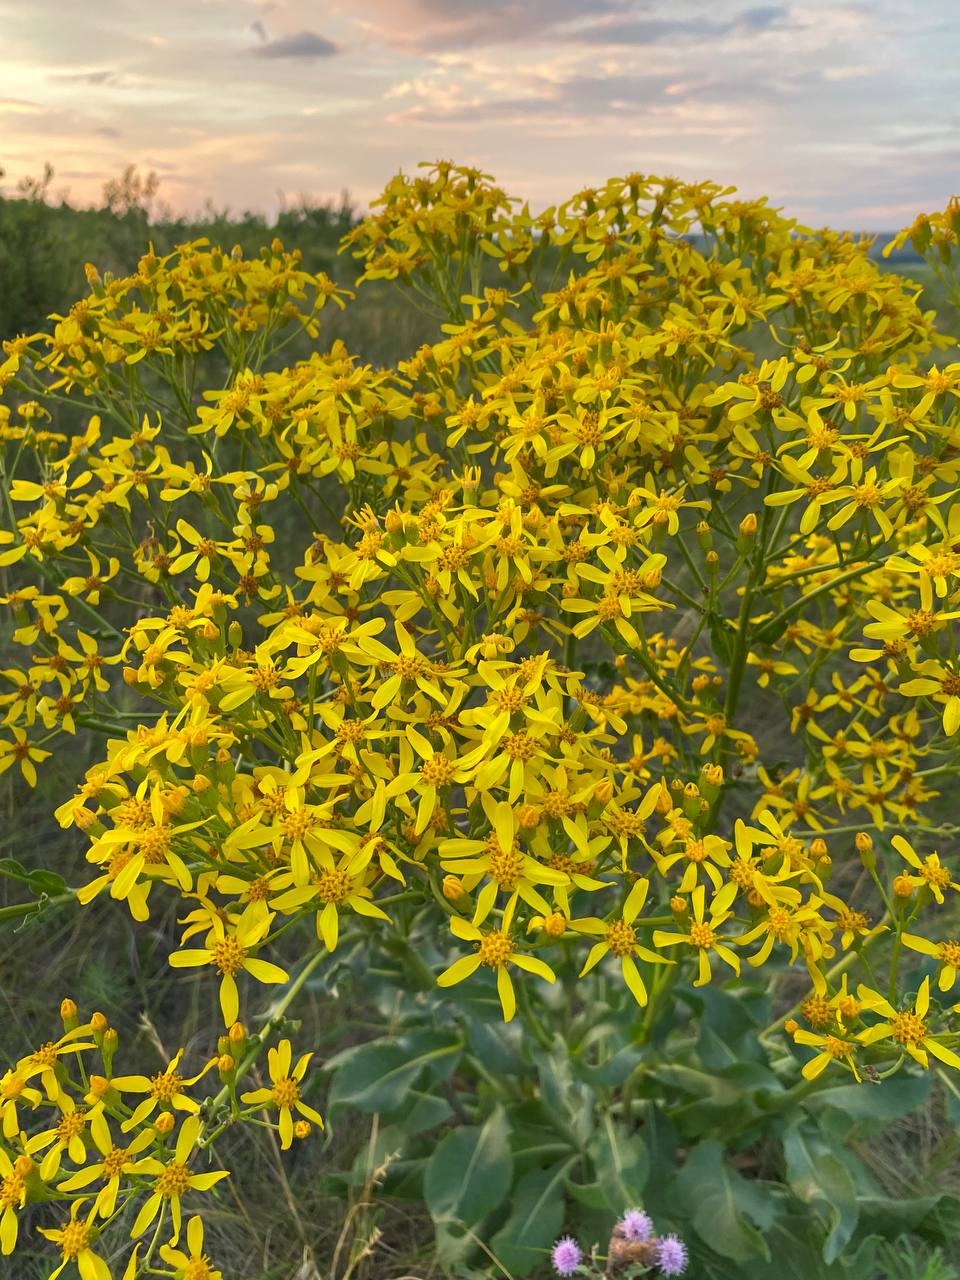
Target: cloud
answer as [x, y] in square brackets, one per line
[88, 77]
[627, 30]
[305, 44]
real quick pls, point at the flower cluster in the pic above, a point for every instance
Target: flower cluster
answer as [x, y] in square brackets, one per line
[108, 1149]
[487, 633]
[634, 1250]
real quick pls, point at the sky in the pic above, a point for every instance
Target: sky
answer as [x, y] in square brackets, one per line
[842, 111]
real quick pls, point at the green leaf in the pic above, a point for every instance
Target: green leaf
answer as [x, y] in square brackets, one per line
[378, 1076]
[470, 1173]
[724, 1208]
[43, 883]
[818, 1177]
[621, 1163]
[869, 1108]
[535, 1220]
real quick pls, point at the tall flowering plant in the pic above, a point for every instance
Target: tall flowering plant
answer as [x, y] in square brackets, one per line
[580, 689]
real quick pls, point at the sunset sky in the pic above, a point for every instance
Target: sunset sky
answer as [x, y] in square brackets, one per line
[845, 113]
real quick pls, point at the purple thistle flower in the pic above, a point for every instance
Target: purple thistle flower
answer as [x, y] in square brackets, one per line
[637, 1226]
[566, 1256]
[671, 1255]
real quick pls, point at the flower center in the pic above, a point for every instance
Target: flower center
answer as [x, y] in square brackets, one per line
[495, 949]
[286, 1092]
[173, 1181]
[228, 955]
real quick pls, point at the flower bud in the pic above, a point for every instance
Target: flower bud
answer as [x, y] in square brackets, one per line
[528, 816]
[678, 905]
[98, 1023]
[864, 846]
[237, 1034]
[302, 1129]
[711, 779]
[23, 1166]
[164, 1122]
[129, 675]
[747, 533]
[712, 561]
[603, 791]
[453, 889]
[818, 848]
[902, 886]
[99, 1086]
[554, 925]
[393, 522]
[225, 1064]
[68, 1012]
[704, 536]
[791, 1026]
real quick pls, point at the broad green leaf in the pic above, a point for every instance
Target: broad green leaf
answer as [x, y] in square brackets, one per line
[377, 1076]
[724, 1208]
[470, 1173]
[869, 1108]
[535, 1220]
[818, 1177]
[621, 1162]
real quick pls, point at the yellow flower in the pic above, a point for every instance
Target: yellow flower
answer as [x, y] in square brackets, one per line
[496, 950]
[703, 935]
[173, 1179]
[194, 1265]
[117, 1161]
[74, 1239]
[929, 870]
[831, 1048]
[619, 939]
[908, 1027]
[165, 1090]
[284, 1091]
[947, 954]
[229, 953]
